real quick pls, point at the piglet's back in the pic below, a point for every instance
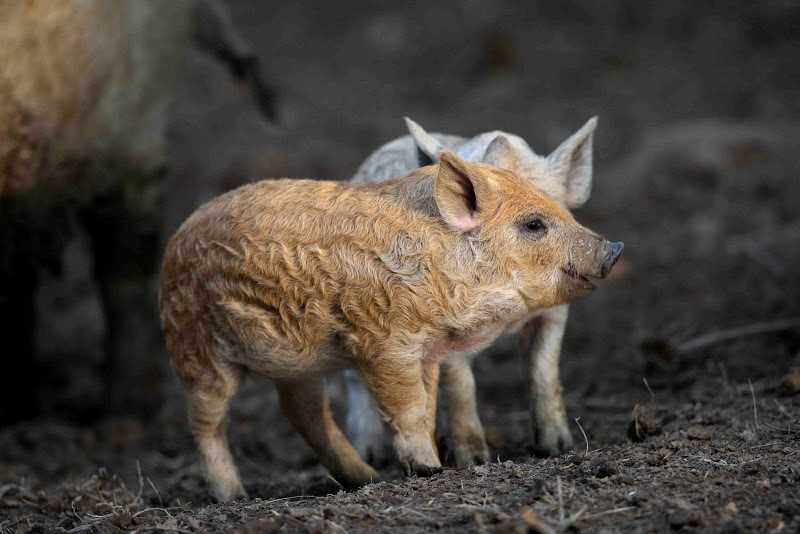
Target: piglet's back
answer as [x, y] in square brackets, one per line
[272, 215]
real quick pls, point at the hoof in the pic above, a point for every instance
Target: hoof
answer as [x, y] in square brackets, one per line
[467, 456]
[354, 483]
[425, 470]
[553, 443]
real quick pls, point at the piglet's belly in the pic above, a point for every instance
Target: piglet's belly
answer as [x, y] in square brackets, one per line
[282, 362]
[257, 339]
[456, 343]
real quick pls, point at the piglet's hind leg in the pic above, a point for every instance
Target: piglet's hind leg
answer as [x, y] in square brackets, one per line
[208, 406]
[305, 403]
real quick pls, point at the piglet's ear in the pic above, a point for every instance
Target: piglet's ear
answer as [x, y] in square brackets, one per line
[500, 153]
[460, 191]
[426, 143]
[571, 165]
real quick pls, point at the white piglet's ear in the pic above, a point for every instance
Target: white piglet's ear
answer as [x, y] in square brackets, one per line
[500, 153]
[460, 193]
[424, 141]
[571, 163]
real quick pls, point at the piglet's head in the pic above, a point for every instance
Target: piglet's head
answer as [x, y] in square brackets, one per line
[523, 237]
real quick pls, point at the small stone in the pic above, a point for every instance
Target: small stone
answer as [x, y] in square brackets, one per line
[605, 469]
[678, 444]
[750, 469]
[791, 382]
[633, 498]
[679, 519]
[698, 432]
[685, 518]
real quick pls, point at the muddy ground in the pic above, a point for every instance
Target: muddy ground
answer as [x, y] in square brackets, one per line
[696, 170]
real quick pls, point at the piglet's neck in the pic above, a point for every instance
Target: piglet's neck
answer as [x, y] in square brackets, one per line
[414, 192]
[460, 257]
[469, 289]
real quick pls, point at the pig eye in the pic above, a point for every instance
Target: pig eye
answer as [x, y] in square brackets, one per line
[535, 227]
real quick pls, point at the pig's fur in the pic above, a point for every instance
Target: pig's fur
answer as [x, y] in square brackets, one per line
[85, 87]
[566, 174]
[293, 279]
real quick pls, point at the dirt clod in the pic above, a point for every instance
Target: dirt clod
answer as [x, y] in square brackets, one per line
[791, 381]
[685, 518]
[604, 469]
[643, 423]
[698, 432]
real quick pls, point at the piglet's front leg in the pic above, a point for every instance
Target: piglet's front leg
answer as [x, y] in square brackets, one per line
[541, 341]
[405, 388]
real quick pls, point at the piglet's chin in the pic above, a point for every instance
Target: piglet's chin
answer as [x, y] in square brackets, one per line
[574, 285]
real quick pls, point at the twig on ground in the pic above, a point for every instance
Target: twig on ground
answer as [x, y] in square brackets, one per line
[80, 528]
[733, 333]
[426, 517]
[154, 509]
[141, 482]
[755, 405]
[771, 443]
[560, 500]
[163, 529]
[652, 395]
[334, 480]
[155, 489]
[571, 520]
[291, 497]
[782, 409]
[585, 437]
[609, 512]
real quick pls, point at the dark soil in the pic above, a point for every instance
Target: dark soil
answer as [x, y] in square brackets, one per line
[719, 457]
[697, 170]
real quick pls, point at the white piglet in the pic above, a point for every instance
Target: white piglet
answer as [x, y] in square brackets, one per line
[566, 175]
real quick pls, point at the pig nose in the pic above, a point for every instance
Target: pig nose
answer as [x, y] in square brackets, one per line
[614, 252]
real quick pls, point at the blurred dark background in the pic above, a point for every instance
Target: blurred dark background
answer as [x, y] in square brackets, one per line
[696, 169]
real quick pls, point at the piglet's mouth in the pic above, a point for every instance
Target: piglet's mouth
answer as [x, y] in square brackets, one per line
[581, 280]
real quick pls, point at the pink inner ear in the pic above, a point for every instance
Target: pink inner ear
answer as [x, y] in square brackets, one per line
[463, 223]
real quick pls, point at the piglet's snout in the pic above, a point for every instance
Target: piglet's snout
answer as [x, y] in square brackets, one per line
[594, 256]
[613, 250]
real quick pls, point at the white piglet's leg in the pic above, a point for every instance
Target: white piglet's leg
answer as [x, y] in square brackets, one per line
[541, 342]
[364, 423]
[466, 430]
